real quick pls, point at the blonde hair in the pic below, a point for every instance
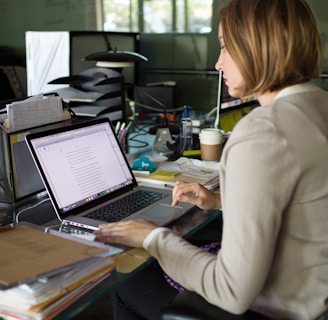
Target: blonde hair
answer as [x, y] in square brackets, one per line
[274, 43]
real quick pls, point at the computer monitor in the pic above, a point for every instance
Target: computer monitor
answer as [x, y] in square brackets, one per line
[230, 110]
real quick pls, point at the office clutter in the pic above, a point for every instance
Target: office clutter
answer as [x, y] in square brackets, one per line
[175, 146]
[182, 169]
[54, 54]
[34, 111]
[41, 276]
[185, 131]
[144, 164]
[157, 98]
[163, 141]
[18, 175]
[121, 131]
[93, 92]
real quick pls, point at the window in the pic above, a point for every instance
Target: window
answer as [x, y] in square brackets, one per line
[157, 16]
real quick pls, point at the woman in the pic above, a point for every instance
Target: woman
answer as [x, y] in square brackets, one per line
[273, 173]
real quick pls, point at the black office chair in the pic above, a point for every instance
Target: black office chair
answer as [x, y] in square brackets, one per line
[191, 306]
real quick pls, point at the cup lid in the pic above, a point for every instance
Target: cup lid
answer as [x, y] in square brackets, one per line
[211, 131]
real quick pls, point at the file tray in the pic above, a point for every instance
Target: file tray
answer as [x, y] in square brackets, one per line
[19, 177]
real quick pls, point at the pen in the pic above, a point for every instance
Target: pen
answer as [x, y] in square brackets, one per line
[117, 128]
[121, 135]
[128, 126]
[122, 127]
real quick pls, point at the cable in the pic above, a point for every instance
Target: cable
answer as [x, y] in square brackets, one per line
[28, 208]
[139, 130]
[217, 120]
[143, 144]
[152, 108]
[210, 113]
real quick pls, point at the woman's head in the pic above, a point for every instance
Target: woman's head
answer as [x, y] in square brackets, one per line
[274, 43]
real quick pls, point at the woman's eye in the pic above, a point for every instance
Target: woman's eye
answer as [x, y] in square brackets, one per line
[222, 48]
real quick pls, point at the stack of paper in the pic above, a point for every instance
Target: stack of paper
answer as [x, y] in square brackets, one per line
[34, 111]
[70, 94]
[49, 294]
[43, 279]
[183, 169]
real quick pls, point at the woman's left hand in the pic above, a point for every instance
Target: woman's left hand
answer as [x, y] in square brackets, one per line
[196, 194]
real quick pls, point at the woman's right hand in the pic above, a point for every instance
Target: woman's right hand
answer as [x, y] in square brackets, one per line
[196, 194]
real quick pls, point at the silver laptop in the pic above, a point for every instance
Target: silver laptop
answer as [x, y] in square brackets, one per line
[89, 180]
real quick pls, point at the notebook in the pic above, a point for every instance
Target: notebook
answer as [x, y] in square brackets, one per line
[84, 169]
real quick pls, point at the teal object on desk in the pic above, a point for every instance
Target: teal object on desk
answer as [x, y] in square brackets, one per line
[144, 164]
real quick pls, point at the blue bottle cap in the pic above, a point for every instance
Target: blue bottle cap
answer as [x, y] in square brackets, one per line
[185, 113]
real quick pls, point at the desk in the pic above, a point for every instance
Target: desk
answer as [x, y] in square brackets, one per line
[186, 226]
[193, 221]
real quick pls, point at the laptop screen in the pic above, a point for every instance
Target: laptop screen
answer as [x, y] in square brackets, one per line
[81, 164]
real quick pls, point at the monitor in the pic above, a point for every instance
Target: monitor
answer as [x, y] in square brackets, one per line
[230, 110]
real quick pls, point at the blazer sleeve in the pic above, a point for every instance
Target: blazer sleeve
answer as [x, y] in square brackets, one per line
[257, 180]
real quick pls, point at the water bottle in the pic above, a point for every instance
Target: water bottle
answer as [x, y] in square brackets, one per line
[185, 131]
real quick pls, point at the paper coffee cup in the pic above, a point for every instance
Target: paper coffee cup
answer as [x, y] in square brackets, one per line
[211, 144]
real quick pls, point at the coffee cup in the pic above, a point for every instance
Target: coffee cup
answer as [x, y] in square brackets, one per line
[211, 140]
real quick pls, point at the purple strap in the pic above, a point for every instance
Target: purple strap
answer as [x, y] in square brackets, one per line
[212, 247]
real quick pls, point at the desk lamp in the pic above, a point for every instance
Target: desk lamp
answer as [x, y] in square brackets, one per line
[113, 58]
[116, 59]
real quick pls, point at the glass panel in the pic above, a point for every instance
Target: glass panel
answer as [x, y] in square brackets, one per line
[120, 15]
[157, 16]
[197, 13]
[154, 16]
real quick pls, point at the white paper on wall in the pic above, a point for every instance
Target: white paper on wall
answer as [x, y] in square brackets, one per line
[47, 58]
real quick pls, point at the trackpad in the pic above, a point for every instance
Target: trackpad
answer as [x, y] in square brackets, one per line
[163, 214]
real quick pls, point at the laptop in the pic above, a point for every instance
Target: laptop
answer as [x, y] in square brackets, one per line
[85, 171]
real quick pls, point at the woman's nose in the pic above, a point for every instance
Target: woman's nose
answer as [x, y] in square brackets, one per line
[218, 64]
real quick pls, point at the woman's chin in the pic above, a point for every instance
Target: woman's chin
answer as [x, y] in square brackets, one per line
[234, 93]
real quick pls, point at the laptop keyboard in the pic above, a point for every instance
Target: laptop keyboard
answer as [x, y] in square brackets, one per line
[126, 206]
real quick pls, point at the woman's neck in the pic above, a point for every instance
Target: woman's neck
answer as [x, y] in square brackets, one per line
[267, 97]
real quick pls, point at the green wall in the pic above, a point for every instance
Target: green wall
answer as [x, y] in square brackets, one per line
[19, 16]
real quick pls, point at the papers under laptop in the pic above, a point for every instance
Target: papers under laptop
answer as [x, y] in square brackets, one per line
[86, 173]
